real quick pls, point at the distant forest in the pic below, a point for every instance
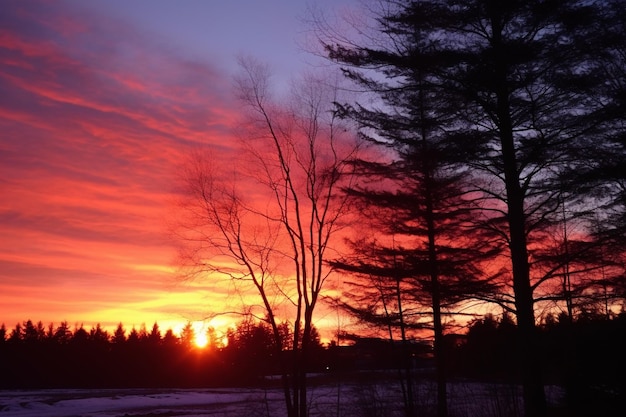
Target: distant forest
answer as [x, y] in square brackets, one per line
[585, 356]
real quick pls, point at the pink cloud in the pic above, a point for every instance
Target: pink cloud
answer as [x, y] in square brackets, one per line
[94, 119]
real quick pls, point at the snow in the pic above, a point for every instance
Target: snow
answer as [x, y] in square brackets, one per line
[345, 400]
[114, 403]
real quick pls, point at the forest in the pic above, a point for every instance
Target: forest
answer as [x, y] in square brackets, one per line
[583, 356]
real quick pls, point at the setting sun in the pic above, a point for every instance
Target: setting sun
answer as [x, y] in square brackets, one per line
[201, 340]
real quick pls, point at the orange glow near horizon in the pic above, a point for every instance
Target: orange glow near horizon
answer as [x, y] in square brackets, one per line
[201, 338]
[96, 126]
[201, 341]
[90, 153]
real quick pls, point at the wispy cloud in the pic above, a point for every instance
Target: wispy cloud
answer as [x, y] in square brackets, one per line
[94, 118]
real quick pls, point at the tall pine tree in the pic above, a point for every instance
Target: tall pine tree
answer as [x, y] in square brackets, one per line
[425, 256]
[519, 79]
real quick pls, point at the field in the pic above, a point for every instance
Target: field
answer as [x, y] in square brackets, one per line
[363, 399]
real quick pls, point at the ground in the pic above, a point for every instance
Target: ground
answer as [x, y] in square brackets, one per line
[363, 399]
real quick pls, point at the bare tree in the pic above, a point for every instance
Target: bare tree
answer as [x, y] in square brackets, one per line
[268, 222]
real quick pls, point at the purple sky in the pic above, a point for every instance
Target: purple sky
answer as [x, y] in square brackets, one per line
[216, 31]
[99, 101]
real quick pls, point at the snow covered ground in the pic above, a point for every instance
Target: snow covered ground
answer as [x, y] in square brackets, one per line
[134, 402]
[138, 403]
[344, 400]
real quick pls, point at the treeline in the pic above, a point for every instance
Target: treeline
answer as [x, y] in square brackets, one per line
[36, 356]
[584, 355]
[588, 350]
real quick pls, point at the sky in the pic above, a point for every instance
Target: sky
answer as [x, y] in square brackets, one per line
[99, 104]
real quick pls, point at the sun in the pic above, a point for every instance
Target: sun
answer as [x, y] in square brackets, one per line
[201, 340]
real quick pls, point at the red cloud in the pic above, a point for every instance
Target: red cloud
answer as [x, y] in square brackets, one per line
[92, 129]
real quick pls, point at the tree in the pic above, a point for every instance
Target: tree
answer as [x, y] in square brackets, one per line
[187, 336]
[214, 341]
[33, 333]
[119, 335]
[98, 335]
[522, 77]
[251, 348]
[579, 267]
[63, 333]
[425, 256]
[16, 333]
[154, 337]
[133, 337]
[294, 158]
[169, 339]
[143, 333]
[80, 336]
[605, 174]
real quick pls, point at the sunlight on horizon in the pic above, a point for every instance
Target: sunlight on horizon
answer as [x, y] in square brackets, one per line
[201, 336]
[201, 340]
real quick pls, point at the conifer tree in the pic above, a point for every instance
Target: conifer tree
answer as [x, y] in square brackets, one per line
[519, 79]
[119, 336]
[423, 255]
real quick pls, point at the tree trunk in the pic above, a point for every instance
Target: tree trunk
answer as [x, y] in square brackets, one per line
[433, 262]
[534, 395]
[304, 356]
[406, 372]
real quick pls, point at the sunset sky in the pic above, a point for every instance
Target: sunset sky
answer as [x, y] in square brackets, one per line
[99, 104]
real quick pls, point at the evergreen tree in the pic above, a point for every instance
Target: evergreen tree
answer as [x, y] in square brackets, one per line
[520, 80]
[80, 336]
[155, 334]
[133, 337]
[187, 335]
[16, 333]
[423, 258]
[50, 332]
[33, 333]
[63, 333]
[169, 338]
[98, 334]
[143, 333]
[119, 336]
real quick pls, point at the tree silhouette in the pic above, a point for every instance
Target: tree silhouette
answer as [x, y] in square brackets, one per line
[169, 338]
[119, 335]
[154, 336]
[133, 336]
[90, 359]
[294, 159]
[424, 257]
[16, 333]
[98, 334]
[63, 333]
[522, 75]
[33, 333]
[187, 335]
